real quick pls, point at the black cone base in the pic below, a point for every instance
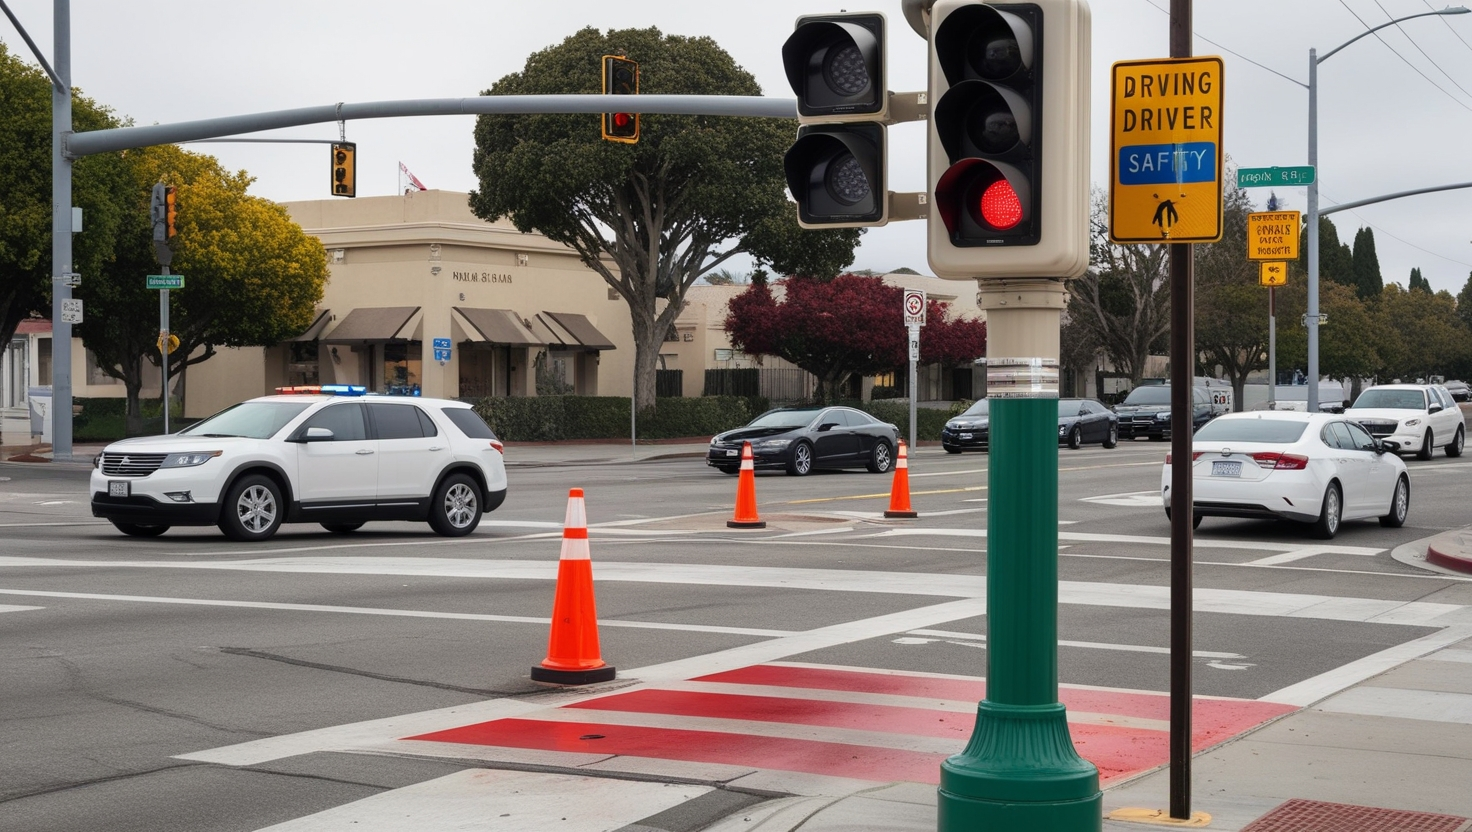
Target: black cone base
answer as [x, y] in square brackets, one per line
[746, 524]
[573, 677]
[901, 514]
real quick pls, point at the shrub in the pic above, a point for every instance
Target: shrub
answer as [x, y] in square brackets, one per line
[554, 418]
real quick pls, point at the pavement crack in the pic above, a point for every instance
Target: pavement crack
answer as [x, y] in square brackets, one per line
[165, 712]
[80, 784]
[384, 677]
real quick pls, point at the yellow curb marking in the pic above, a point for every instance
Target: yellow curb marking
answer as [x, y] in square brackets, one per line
[1159, 817]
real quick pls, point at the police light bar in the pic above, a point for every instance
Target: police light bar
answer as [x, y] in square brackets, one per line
[323, 390]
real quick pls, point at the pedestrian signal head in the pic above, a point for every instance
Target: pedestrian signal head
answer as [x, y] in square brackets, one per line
[344, 169]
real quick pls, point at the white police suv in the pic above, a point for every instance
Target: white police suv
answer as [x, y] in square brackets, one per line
[326, 454]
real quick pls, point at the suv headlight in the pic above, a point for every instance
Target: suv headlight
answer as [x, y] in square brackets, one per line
[1162, 417]
[1410, 423]
[771, 444]
[189, 460]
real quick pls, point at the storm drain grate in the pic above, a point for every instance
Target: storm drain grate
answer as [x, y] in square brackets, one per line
[1318, 816]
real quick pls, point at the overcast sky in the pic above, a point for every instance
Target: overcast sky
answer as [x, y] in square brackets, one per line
[1393, 114]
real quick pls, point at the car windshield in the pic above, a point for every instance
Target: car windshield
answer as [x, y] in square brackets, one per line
[254, 420]
[1154, 394]
[1397, 399]
[978, 408]
[783, 419]
[1268, 431]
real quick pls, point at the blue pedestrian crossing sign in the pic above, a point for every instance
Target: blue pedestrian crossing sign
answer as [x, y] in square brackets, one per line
[442, 350]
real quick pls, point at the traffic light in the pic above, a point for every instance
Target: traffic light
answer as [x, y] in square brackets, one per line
[836, 168]
[344, 171]
[1008, 154]
[158, 212]
[171, 213]
[620, 77]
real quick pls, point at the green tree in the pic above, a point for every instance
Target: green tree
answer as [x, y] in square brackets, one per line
[1464, 302]
[252, 276]
[1418, 282]
[1123, 301]
[1336, 261]
[650, 217]
[1231, 308]
[1353, 343]
[1434, 339]
[1366, 265]
[25, 193]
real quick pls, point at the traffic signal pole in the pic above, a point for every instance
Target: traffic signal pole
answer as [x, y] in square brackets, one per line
[1019, 771]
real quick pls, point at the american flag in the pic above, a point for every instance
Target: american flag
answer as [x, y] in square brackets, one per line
[413, 181]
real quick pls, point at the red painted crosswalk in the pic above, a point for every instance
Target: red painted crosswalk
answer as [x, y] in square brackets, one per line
[845, 722]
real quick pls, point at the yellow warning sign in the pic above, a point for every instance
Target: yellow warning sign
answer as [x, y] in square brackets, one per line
[1165, 159]
[1272, 274]
[1273, 235]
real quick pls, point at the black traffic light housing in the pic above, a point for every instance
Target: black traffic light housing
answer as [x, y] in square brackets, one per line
[620, 77]
[836, 169]
[989, 121]
[344, 169]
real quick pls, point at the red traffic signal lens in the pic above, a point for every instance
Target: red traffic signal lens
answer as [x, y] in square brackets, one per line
[622, 119]
[1000, 206]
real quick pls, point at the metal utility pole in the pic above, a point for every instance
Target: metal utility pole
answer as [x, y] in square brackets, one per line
[61, 235]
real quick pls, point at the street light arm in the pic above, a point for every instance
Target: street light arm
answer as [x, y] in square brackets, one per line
[1449, 10]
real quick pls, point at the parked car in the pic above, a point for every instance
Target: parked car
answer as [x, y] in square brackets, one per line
[1317, 468]
[1086, 421]
[328, 454]
[1459, 390]
[968, 431]
[800, 439]
[1416, 416]
[1146, 411]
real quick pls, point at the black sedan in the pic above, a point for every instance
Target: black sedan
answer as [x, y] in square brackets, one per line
[800, 439]
[1086, 421]
[1080, 422]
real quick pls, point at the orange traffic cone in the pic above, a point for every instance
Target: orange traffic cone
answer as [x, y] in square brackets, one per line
[899, 493]
[746, 517]
[572, 651]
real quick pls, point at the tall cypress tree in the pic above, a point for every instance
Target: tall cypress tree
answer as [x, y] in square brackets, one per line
[1419, 282]
[1335, 259]
[1365, 265]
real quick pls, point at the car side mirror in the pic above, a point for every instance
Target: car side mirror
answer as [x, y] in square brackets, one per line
[316, 435]
[1435, 408]
[826, 426]
[1387, 446]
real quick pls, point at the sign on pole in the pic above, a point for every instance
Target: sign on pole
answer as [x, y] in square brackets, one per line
[442, 349]
[1275, 177]
[1273, 274]
[915, 307]
[1273, 235]
[71, 311]
[165, 281]
[1165, 159]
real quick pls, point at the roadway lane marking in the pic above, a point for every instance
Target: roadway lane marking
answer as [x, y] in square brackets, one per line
[1325, 685]
[459, 616]
[1131, 499]
[1308, 552]
[1090, 645]
[12, 608]
[506, 801]
[1400, 703]
[70, 523]
[970, 587]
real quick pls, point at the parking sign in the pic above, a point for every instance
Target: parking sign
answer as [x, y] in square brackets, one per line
[914, 307]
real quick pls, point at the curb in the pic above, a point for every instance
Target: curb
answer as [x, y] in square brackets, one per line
[1447, 560]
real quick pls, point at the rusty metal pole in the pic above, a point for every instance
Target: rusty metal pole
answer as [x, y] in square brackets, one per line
[1182, 418]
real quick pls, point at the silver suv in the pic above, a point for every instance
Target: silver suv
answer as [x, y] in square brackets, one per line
[1417, 417]
[330, 455]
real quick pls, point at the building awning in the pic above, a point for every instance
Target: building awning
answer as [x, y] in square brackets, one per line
[575, 330]
[324, 316]
[374, 324]
[497, 326]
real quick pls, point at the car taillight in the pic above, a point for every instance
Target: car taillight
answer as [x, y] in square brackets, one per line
[1195, 455]
[496, 443]
[1281, 461]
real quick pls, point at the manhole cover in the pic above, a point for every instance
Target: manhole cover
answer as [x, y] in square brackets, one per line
[1318, 816]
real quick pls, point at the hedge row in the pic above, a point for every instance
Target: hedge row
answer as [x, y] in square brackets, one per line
[106, 420]
[553, 418]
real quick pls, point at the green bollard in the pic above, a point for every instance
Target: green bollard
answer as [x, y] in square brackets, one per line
[1020, 772]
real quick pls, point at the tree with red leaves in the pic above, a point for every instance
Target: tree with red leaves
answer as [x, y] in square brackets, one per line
[848, 325]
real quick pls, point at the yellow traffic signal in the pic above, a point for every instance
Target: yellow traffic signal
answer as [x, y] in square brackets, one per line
[620, 77]
[344, 177]
[171, 213]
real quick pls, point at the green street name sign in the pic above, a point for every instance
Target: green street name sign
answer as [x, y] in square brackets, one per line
[1264, 177]
[166, 281]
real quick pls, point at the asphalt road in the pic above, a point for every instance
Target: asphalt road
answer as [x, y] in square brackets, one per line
[125, 654]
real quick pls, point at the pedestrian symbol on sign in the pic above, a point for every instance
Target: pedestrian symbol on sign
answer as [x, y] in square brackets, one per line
[1165, 215]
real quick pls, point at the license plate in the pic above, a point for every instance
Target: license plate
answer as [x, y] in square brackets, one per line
[732, 452]
[1226, 469]
[119, 489]
[965, 436]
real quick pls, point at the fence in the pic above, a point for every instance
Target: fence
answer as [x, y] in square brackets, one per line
[669, 384]
[779, 386]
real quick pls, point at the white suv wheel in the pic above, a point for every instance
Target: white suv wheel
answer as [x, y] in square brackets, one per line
[456, 508]
[252, 509]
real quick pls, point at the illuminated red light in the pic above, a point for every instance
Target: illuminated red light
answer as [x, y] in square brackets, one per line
[1000, 207]
[622, 119]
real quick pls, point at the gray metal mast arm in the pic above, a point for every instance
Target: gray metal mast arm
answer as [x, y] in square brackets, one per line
[123, 138]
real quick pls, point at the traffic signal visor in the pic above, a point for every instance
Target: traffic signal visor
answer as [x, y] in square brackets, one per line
[836, 174]
[171, 212]
[620, 77]
[344, 169]
[835, 65]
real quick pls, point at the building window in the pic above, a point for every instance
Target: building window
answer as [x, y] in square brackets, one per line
[401, 368]
[554, 368]
[43, 361]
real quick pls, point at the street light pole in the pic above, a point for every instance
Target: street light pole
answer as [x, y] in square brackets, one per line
[1312, 318]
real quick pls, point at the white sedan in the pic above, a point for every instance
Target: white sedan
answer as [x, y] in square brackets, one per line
[1317, 468]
